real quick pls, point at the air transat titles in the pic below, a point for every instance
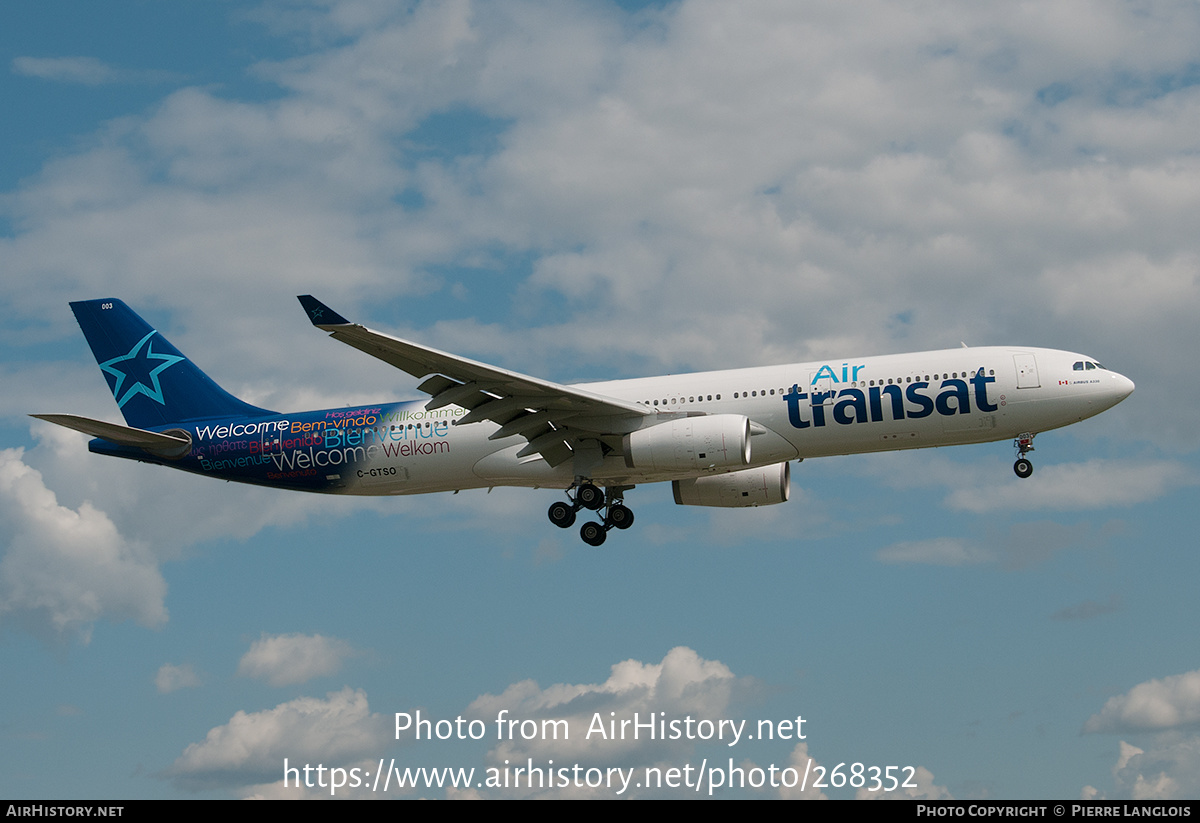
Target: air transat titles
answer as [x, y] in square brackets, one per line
[903, 400]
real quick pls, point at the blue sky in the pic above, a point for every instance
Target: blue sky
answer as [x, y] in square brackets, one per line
[590, 191]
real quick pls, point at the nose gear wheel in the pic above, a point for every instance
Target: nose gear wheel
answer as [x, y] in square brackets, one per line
[1023, 444]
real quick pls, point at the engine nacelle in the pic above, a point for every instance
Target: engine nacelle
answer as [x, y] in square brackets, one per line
[748, 487]
[712, 441]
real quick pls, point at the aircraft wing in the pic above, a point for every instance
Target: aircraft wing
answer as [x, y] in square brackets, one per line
[551, 416]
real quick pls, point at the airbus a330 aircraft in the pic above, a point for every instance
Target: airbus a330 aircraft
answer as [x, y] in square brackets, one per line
[721, 438]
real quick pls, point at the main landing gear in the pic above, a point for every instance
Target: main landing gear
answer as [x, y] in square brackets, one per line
[588, 496]
[1023, 444]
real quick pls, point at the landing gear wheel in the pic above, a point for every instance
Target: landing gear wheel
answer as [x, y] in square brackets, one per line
[562, 515]
[1023, 468]
[589, 496]
[593, 533]
[620, 517]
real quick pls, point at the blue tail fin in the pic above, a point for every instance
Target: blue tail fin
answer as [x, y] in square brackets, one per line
[153, 384]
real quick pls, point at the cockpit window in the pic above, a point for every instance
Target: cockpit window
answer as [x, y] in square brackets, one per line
[1091, 366]
[1078, 365]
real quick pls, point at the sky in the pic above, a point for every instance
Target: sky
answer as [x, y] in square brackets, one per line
[584, 191]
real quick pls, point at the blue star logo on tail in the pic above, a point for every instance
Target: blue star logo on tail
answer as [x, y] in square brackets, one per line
[141, 367]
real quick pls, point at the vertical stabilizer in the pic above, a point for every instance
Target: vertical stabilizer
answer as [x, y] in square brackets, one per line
[153, 384]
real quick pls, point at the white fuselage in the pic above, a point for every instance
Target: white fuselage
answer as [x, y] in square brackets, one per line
[904, 401]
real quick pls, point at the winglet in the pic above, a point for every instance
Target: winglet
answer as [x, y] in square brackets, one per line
[321, 315]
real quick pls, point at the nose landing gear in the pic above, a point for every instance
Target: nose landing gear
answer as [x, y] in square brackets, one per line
[1023, 444]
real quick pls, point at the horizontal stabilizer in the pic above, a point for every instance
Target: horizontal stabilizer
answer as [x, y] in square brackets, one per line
[167, 445]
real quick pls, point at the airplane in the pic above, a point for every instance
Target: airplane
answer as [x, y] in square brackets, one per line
[721, 438]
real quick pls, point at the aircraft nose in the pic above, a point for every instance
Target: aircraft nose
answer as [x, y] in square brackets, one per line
[1121, 387]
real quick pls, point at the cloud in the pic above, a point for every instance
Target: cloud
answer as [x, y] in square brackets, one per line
[1167, 769]
[601, 169]
[87, 71]
[143, 501]
[682, 684]
[1021, 546]
[1166, 713]
[591, 224]
[917, 786]
[1151, 706]
[988, 485]
[64, 568]
[251, 748]
[941, 551]
[1093, 484]
[287, 659]
[172, 678]
[799, 761]
[1089, 609]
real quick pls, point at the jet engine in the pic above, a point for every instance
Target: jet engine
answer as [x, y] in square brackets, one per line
[748, 487]
[712, 441]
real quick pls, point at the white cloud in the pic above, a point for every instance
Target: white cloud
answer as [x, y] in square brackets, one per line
[640, 174]
[922, 788]
[172, 678]
[1022, 545]
[86, 70]
[287, 659]
[808, 791]
[142, 501]
[322, 787]
[1093, 484]
[1167, 769]
[941, 551]
[1154, 705]
[250, 749]
[1166, 714]
[64, 568]
[682, 685]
